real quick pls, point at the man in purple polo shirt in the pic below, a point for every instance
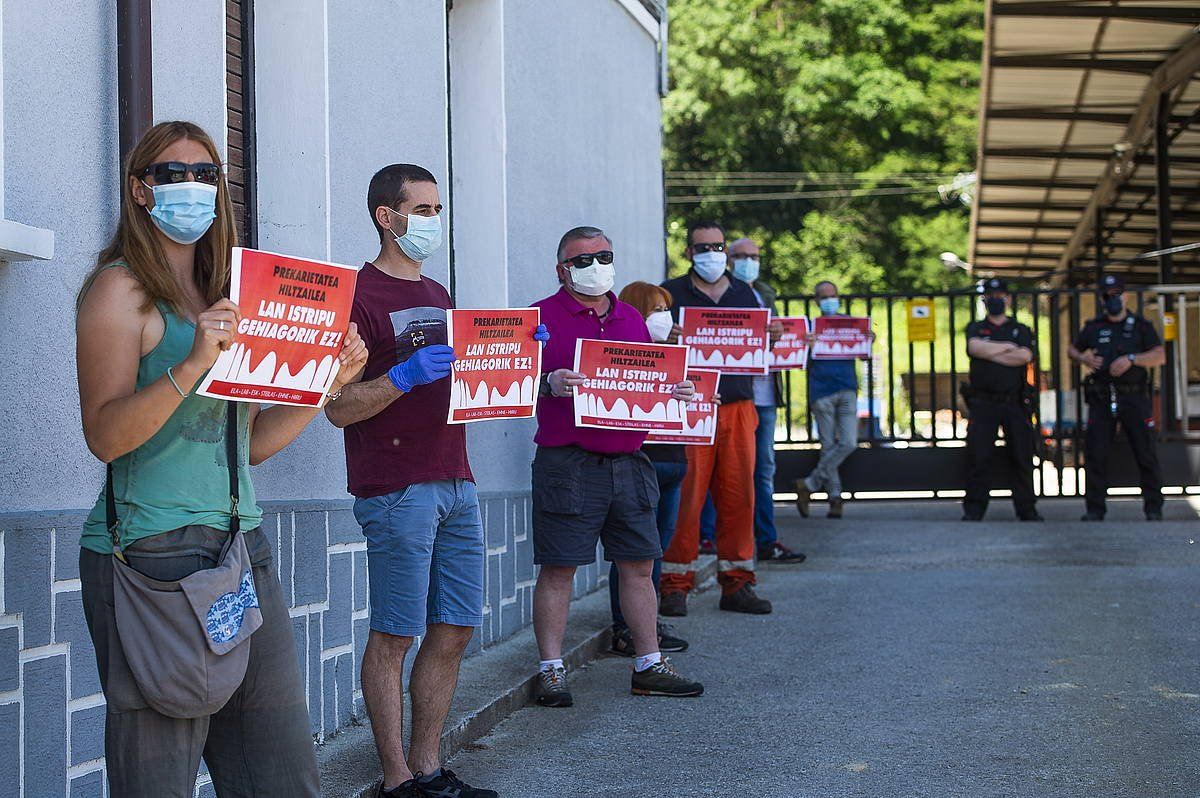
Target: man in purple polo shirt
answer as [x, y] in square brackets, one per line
[592, 484]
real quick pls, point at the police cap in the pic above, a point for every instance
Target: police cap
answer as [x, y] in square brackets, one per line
[994, 284]
[1110, 282]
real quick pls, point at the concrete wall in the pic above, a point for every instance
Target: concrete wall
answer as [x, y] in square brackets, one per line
[338, 96]
[578, 150]
[325, 126]
[60, 160]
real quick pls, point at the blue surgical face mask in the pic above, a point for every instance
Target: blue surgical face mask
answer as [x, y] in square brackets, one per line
[1113, 305]
[709, 265]
[745, 269]
[423, 237]
[183, 211]
[829, 305]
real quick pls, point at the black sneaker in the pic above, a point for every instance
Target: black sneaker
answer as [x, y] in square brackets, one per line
[662, 679]
[552, 688]
[668, 641]
[1154, 515]
[408, 789]
[673, 604]
[1034, 516]
[1091, 516]
[972, 516]
[777, 552]
[622, 642]
[744, 599]
[447, 785]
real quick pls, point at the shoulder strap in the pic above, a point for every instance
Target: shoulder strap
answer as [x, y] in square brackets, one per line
[231, 454]
[110, 512]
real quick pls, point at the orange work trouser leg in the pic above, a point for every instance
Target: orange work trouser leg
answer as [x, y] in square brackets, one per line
[679, 560]
[733, 494]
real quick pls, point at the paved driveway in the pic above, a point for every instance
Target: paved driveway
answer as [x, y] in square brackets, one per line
[913, 655]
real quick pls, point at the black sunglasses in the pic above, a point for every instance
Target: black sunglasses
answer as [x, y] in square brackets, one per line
[605, 256]
[708, 247]
[177, 172]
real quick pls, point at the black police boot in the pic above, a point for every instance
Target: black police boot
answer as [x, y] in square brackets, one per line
[1032, 515]
[1154, 515]
[1091, 515]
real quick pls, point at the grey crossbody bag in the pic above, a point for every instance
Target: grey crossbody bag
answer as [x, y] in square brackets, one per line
[186, 641]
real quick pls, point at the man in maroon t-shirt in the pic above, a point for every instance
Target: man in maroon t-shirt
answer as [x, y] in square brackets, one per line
[414, 493]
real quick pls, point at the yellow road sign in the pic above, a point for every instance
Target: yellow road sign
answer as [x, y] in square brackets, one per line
[921, 321]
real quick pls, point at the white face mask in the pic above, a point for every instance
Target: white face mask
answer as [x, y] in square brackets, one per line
[423, 237]
[594, 280]
[709, 265]
[659, 323]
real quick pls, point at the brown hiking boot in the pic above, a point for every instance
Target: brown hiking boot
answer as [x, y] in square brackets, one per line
[673, 604]
[744, 599]
[803, 497]
[835, 508]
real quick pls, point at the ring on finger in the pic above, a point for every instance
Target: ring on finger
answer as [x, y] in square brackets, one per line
[221, 325]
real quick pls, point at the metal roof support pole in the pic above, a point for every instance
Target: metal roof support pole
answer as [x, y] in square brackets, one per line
[1098, 239]
[1166, 264]
[135, 88]
[1162, 181]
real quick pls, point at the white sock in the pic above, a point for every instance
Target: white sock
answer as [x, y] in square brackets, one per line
[646, 660]
[549, 664]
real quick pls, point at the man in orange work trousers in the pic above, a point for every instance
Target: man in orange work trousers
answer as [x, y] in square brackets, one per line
[727, 467]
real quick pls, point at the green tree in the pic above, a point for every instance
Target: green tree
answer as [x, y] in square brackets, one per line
[842, 96]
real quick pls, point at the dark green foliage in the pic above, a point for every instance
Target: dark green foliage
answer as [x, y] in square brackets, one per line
[872, 87]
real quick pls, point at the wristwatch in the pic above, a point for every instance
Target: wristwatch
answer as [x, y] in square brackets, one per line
[1132, 357]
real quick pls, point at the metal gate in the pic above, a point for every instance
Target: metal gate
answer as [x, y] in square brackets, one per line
[912, 422]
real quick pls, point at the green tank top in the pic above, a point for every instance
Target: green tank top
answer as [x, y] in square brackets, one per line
[180, 476]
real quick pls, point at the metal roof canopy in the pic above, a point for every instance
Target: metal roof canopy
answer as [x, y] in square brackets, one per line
[1086, 125]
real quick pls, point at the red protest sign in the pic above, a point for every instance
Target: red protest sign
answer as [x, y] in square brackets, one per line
[629, 385]
[700, 415]
[730, 340]
[841, 337]
[498, 366]
[295, 313]
[791, 350]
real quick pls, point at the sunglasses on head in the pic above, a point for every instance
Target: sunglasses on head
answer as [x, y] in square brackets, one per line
[605, 256]
[177, 172]
[708, 247]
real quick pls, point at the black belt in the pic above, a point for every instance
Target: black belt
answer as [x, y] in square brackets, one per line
[600, 457]
[1003, 398]
[1124, 389]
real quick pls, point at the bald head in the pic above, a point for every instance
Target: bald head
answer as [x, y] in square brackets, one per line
[743, 247]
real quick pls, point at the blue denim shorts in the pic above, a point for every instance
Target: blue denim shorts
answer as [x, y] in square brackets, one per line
[425, 556]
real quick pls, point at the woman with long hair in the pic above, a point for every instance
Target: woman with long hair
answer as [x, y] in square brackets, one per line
[152, 318]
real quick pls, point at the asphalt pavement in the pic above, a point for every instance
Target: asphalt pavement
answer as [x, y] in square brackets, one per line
[912, 655]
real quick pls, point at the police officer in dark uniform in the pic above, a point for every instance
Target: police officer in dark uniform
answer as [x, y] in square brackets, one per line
[999, 396]
[1119, 346]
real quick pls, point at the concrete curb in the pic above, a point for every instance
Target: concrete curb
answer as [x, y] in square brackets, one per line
[493, 684]
[479, 722]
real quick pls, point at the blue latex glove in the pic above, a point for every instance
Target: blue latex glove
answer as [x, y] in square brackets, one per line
[428, 364]
[541, 333]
